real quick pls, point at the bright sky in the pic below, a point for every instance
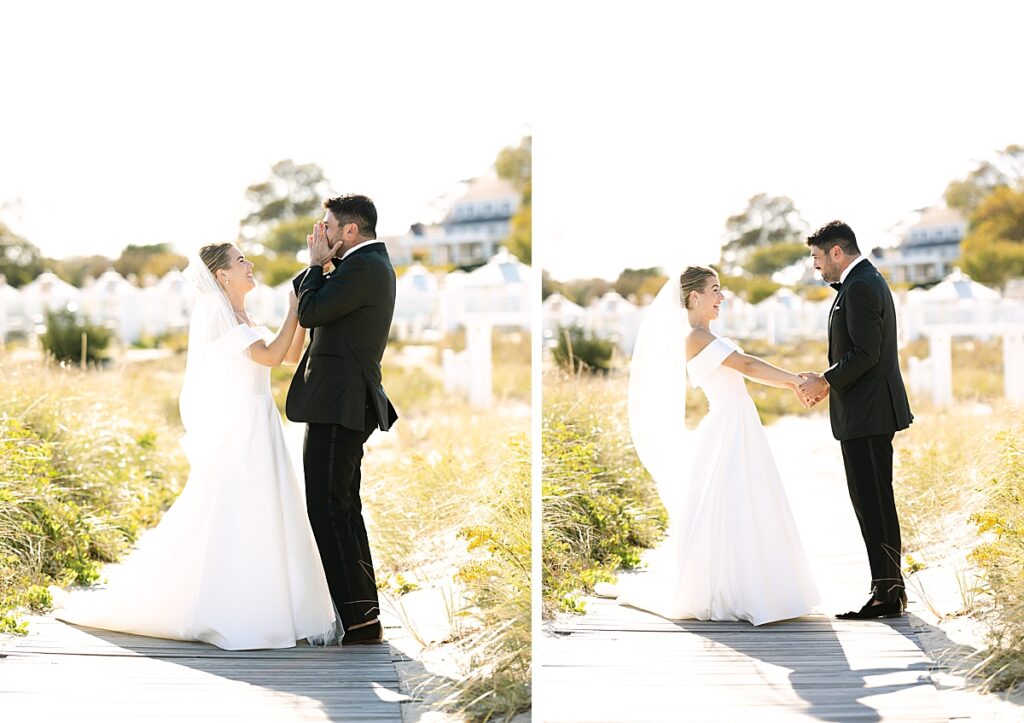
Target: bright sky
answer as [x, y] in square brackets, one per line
[658, 127]
[130, 122]
[144, 122]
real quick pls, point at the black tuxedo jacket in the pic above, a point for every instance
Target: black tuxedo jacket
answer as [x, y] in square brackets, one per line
[348, 313]
[867, 396]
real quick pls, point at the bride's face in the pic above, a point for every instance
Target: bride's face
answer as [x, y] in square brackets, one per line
[709, 301]
[237, 276]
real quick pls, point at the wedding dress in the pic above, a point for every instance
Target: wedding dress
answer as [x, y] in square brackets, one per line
[233, 562]
[733, 551]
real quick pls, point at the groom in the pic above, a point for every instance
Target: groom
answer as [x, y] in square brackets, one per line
[337, 392]
[868, 404]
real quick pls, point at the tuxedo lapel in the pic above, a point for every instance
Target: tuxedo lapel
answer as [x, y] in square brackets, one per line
[831, 312]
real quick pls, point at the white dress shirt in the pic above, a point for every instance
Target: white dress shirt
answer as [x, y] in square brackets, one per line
[846, 272]
[359, 246]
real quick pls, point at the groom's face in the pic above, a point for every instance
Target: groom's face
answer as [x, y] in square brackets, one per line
[336, 231]
[825, 262]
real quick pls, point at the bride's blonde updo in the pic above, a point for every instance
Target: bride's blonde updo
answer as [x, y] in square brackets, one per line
[693, 279]
[215, 256]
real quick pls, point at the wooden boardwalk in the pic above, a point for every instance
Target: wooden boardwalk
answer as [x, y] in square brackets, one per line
[621, 664]
[61, 672]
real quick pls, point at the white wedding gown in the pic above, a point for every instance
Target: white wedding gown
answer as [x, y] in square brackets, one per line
[733, 551]
[233, 562]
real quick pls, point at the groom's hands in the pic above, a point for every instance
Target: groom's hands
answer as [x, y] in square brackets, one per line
[320, 248]
[813, 389]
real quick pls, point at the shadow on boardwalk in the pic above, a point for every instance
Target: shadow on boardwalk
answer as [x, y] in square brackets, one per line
[819, 671]
[63, 672]
[622, 664]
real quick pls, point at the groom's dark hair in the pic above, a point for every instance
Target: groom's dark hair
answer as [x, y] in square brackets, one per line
[835, 233]
[353, 208]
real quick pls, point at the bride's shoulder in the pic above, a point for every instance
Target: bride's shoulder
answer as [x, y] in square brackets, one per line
[696, 341]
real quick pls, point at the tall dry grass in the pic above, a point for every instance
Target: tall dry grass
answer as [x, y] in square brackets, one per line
[448, 496]
[960, 484]
[600, 505]
[88, 458]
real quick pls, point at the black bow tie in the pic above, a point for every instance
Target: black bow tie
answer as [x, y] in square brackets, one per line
[837, 286]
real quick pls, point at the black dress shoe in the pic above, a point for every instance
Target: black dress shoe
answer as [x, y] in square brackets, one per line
[873, 610]
[365, 635]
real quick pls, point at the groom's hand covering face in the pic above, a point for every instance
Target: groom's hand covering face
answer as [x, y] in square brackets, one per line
[321, 250]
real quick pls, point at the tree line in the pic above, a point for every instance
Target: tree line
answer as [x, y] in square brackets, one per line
[768, 236]
[282, 210]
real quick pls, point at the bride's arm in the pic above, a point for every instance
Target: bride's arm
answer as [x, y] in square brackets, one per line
[761, 371]
[272, 354]
[295, 350]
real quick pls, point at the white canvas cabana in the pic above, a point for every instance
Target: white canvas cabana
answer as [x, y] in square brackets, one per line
[499, 293]
[614, 318]
[557, 312]
[12, 310]
[167, 305]
[113, 302]
[47, 292]
[956, 300]
[417, 303]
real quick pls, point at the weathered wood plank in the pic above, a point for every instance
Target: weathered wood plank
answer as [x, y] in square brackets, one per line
[622, 664]
[61, 672]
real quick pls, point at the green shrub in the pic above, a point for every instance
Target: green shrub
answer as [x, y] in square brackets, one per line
[600, 506]
[87, 459]
[578, 350]
[63, 338]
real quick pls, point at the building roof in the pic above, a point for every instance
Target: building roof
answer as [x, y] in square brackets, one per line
[558, 304]
[503, 268]
[939, 216]
[958, 286]
[486, 188]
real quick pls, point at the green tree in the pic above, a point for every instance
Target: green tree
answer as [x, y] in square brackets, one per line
[63, 338]
[156, 259]
[76, 269]
[273, 270]
[1006, 170]
[766, 260]
[293, 191]
[548, 285]
[20, 261]
[637, 284]
[516, 166]
[993, 249]
[765, 222]
[751, 289]
[583, 291]
[289, 237]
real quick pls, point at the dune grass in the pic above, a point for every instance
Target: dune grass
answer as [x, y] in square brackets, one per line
[960, 481]
[88, 458]
[91, 458]
[600, 506]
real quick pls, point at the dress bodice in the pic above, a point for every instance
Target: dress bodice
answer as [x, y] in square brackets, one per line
[243, 376]
[259, 379]
[722, 385]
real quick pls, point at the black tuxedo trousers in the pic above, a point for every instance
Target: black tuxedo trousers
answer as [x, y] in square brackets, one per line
[331, 458]
[868, 462]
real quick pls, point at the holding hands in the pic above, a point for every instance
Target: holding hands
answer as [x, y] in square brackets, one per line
[812, 389]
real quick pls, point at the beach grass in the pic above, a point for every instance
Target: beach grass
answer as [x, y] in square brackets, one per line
[88, 459]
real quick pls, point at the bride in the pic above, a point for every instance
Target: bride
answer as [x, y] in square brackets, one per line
[233, 562]
[732, 551]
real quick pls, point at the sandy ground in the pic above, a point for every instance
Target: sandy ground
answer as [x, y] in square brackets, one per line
[810, 459]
